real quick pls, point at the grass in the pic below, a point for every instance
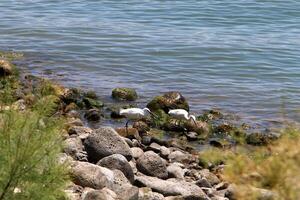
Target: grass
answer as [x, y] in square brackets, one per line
[274, 168]
[30, 142]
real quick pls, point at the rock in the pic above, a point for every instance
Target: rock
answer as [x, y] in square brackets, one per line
[73, 192]
[73, 114]
[73, 95]
[133, 166]
[130, 133]
[172, 187]
[203, 183]
[146, 140]
[117, 161]
[74, 122]
[147, 194]
[153, 165]
[201, 128]
[168, 101]
[5, 68]
[93, 115]
[175, 171]
[192, 136]
[74, 148]
[70, 107]
[210, 177]
[80, 131]
[141, 126]
[104, 194]
[178, 156]
[137, 152]
[164, 152]
[154, 147]
[89, 175]
[260, 138]
[19, 105]
[127, 94]
[219, 142]
[221, 186]
[92, 103]
[104, 142]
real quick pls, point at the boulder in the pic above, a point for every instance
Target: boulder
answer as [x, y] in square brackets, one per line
[210, 177]
[92, 103]
[5, 68]
[168, 101]
[118, 161]
[171, 187]
[127, 94]
[104, 142]
[130, 133]
[153, 165]
[89, 175]
[164, 152]
[141, 126]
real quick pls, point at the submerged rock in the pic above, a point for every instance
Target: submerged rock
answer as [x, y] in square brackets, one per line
[93, 115]
[92, 103]
[127, 94]
[168, 101]
[104, 142]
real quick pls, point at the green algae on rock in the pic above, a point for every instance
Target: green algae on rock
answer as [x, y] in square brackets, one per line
[168, 101]
[127, 94]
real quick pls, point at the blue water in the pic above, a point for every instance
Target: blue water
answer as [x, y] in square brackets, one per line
[242, 56]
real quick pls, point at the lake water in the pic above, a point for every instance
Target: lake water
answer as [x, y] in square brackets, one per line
[242, 56]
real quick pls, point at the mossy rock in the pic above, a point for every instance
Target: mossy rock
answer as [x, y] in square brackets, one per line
[259, 138]
[127, 94]
[92, 103]
[115, 110]
[211, 115]
[168, 101]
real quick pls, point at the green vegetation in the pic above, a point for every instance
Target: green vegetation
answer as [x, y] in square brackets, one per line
[274, 168]
[30, 142]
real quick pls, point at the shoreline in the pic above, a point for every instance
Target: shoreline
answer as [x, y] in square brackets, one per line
[142, 163]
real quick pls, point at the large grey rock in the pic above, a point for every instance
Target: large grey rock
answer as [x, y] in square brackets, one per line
[153, 165]
[137, 152]
[210, 177]
[172, 187]
[118, 161]
[82, 132]
[104, 142]
[89, 175]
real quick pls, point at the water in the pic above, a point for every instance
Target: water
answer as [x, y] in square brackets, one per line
[241, 56]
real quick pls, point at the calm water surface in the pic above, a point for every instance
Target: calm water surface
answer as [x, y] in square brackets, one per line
[242, 56]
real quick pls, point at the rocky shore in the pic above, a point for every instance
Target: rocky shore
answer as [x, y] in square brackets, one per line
[139, 163]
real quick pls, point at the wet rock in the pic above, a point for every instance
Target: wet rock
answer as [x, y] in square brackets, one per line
[137, 152]
[117, 161]
[141, 126]
[172, 187]
[260, 138]
[73, 95]
[74, 148]
[146, 140]
[104, 142]
[175, 171]
[147, 194]
[201, 128]
[93, 115]
[127, 94]
[74, 122]
[80, 131]
[5, 68]
[153, 165]
[168, 101]
[104, 194]
[92, 103]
